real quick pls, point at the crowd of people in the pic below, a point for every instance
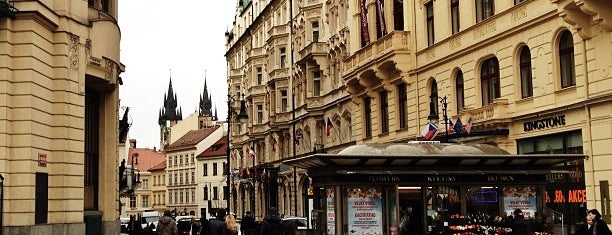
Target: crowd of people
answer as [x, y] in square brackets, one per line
[226, 224]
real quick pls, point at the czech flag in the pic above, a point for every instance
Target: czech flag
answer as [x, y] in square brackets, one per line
[329, 127]
[430, 132]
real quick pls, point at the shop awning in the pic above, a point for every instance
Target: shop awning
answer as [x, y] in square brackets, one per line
[435, 158]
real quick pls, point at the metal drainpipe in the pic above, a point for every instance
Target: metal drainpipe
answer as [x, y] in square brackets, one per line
[1, 202]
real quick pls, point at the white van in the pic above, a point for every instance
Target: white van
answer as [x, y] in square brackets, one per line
[149, 217]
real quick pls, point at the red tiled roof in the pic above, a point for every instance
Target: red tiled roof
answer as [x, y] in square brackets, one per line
[190, 139]
[147, 158]
[217, 149]
[160, 166]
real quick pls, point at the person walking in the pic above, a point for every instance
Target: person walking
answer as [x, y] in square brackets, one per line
[248, 225]
[599, 226]
[204, 226]
[167, 225]
[519, 225]
[217, 225]
[231, 225]
[271, 224]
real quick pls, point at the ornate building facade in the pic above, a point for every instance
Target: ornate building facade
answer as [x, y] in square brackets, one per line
[529, 76]
[59, 105]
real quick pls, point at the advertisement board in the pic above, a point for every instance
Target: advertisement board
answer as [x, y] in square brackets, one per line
[365, 210]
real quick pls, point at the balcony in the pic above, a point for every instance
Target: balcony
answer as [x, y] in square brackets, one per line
[389, 47]
[312, 50]
[278, 30]
[492, 114]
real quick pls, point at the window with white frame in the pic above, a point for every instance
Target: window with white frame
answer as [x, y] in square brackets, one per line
[284, 102]
[316, 83]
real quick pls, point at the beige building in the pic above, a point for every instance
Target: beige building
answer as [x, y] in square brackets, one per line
[211, 179]
[59, 79]
[158, 189]
[145, 162]
[529, 76]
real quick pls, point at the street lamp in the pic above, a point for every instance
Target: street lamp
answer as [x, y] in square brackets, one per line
[241, 118]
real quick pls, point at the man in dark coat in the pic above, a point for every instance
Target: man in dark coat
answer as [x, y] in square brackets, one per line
[167, 225]
[217, 225]
[519, 225]
[248, 225]
[271, 224]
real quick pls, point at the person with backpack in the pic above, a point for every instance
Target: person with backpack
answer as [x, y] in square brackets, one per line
[248, 225]
[217, 225]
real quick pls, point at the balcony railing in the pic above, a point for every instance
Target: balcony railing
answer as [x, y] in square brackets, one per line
[315, 48]
[278, 30]
[495, 112]
[393, 42]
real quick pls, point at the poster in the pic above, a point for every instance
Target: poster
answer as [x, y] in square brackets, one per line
[523, 198]
[331, 213]
[365, 211]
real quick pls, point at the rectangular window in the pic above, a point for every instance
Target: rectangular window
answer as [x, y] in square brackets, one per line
[133, 202]
[145, 201]
[225, 193]
[316, 83]
[259, 114]
[384, 112]
[187, 196]
[181, 160]
[192, 159]
[215, 193]
[259, 76]
[284, 102]
[193, 177]
[315, 31]
[205, 169]
[484, 9]
[181, 175]
[170, 178]
[237, 91]
[455, 16]
[192, 195]
[398, 15]
[176, 201]
[205, 193]
[41, 198]
[430, 23]
[181, 198]
[145, 183]
[175, 179]
[402, 102]
[367, 117]
[214, 168]
[225, 170]
[283, 57]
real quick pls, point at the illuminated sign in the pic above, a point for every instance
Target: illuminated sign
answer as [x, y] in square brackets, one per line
[570, 196]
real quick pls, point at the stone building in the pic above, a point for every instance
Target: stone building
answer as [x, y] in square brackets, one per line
[529, 76]
[59, 66]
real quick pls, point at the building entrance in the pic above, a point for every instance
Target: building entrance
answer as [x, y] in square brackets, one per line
[411, 210]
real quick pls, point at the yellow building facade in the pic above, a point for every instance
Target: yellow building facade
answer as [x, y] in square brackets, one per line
[59, 104]
[528, 76]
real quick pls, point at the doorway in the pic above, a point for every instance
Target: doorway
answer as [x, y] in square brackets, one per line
[411, 210]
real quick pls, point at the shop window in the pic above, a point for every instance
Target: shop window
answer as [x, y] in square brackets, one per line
[566, 60]
[525, 71]
[563, 143]
[443, 203]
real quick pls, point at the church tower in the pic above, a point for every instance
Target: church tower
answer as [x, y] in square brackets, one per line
[205, 114]
[169, 115]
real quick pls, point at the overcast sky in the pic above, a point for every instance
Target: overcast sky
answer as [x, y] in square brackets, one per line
[186, 36]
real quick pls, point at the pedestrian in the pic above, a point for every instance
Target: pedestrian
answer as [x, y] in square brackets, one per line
[204, 226]
[585, 229]
[599, 226]
[217, 224]
[195, 228]
[167, 225]
[271, 224]
[231, 225]
[519, 225]
[248, 225]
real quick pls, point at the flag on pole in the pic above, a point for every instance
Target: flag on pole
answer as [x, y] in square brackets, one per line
[450, 126]
[468, 126]
[251, 152]
[329, 127]
[298, 137]
[430, 131]
[458, 125]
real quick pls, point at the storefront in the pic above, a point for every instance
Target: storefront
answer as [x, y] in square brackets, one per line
[432, 188]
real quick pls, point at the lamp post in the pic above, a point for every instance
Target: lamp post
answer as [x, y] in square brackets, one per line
[445, 115]
[242, 118]
[1, 202]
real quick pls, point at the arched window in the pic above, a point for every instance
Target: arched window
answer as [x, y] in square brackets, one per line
[525, 70]
[459, 91]
[566, 60]
[433, 97]
[489, 79]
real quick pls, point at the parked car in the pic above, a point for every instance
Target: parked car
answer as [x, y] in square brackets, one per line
[125, 221]
[184, 224]
[148, 218]
[301, 222]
